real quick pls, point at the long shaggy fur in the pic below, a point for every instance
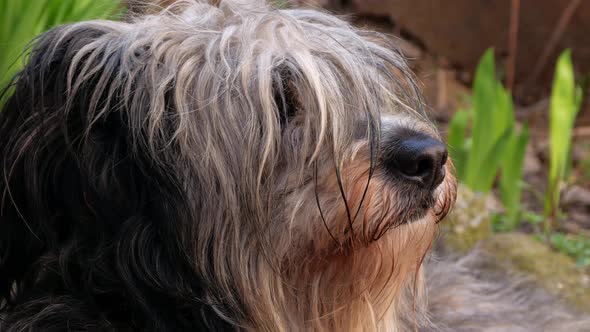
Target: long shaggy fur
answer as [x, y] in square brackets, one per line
[213, 166]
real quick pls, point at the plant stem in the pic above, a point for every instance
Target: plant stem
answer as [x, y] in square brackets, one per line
[512, 43]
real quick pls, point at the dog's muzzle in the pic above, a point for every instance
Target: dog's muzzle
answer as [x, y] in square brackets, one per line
[416, 158]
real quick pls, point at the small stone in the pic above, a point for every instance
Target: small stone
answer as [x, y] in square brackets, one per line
[542, 150]
[580, 218]
[576, 196]
[570, 227]
[580, 153]
[532, 164]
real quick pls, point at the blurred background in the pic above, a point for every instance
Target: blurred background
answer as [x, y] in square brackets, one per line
[507, 81]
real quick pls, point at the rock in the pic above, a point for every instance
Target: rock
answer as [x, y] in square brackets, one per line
[542, 150]
[468, 227]
[521, 254]
[470, 221]
[580, 218]
[569, 226]
[532, 164]
[573, 225]
[580, 153]
[576, 197]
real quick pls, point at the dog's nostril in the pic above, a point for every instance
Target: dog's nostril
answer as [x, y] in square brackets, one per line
[420, 158]
[424, 166]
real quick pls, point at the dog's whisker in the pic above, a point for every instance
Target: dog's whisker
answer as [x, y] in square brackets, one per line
[319, 206]
[345, 201]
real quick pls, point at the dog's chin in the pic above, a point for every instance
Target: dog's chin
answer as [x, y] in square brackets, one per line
[423, 213]
[433, 206]
[421, 206]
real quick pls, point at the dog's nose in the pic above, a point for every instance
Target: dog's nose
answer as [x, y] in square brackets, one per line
[419, 158]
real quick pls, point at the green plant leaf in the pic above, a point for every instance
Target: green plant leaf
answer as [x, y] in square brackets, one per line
[575, 246]
[456, 141]
[564, 106]
[484, 99]
[493, 119]
[491, 161]
[22, 20]
[511, 178]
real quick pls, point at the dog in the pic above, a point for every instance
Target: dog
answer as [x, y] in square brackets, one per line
[231, 166]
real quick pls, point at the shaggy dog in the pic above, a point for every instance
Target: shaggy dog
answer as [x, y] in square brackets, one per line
[230, 166]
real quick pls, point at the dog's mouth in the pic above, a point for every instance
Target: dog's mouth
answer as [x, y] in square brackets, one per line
[371, 208]
[417, 212]
[427, 203]
[436, 203]
[444, 198]
[423, 206]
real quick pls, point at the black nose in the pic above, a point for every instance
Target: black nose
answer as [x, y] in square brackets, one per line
[419, 158]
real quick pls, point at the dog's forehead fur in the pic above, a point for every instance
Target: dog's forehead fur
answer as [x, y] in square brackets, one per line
[226, 66]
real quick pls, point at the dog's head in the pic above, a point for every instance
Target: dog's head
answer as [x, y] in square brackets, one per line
[213, 166]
